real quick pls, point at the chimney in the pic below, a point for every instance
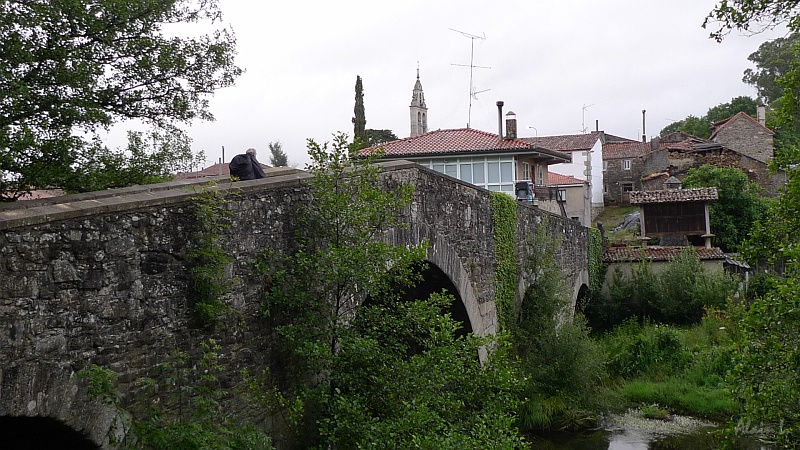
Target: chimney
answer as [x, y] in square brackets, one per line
[761, 113]
[500, 119]
[644, 133]
[597, 125]
[511, 125]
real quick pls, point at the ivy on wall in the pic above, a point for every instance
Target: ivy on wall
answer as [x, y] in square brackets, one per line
[504, 216]
[597, 269]
[207, 258]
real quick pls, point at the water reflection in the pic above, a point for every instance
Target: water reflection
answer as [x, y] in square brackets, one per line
[633, 439]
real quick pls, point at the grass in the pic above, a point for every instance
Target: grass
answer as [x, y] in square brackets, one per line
[683, 397]
[613, 216]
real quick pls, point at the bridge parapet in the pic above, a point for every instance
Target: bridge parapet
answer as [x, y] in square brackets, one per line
[102, 278]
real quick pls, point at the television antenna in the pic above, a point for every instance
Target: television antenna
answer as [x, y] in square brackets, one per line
[583, 117]
[473, 93]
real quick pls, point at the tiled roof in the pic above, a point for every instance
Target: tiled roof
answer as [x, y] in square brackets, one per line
[719, 126]
[631, 254]
[672, 196]
[572, 142]
[565, 143]
[556, 179]
[633, 149]
[460, 141]
[210, 171]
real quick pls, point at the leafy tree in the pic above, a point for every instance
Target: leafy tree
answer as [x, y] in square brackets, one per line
[277, 157]
[752, 16]
[375, 137]
[773, 60]
[764, 376]
[692, 125]
[69, 68]
[740, 204]
[701, 126]
[359, 116]
[368, 370]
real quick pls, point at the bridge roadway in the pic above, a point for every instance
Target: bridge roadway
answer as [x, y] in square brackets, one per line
[101, 278]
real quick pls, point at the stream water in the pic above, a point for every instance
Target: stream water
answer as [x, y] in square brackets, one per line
[630, 432]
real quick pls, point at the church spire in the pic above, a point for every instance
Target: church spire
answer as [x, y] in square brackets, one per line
[419, 111]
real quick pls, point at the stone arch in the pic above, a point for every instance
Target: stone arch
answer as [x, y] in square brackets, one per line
[580, 280]
[482, 316]
[54, 396]
[41, 433]
[581, 298]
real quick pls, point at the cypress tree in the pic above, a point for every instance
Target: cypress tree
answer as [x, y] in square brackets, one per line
[359, 118]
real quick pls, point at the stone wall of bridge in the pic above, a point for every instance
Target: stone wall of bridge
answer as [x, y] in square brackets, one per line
[102, 278]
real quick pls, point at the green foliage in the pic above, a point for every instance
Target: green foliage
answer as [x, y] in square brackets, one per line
[187, 412]
[693, 125]
[359, 116]
[374, 137]
[682, 369]
[677, 295]
[562, 366]
[683, 398]
[148, 158]
[701, 126]
[774, 236]
[741, 202]
[386, 374]
[597, 270]
[277, 157]
[102, 383]
[504, 218]
[764, 377]
[654, 411]
[772, 59]
[207, 258]
[70, 68]
[752, 16]
[636, 350]
[405, 380]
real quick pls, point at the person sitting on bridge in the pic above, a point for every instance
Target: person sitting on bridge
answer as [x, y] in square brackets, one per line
[246, 166]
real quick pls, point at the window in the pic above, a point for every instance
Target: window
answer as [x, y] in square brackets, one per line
[466, 172]
[562, 195]
[627, 187]
[526, 171]
[626, 164]
[605, 166]
[451, 169]
[540, 175]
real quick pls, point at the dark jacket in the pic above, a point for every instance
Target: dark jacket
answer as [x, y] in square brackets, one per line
[246, 167]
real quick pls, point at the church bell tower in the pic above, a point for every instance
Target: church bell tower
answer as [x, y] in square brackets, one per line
[419, 112]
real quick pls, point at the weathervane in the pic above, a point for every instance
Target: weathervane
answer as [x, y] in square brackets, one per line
[473, 93]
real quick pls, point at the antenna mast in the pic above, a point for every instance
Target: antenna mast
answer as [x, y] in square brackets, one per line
[583, 117]
[472, 92]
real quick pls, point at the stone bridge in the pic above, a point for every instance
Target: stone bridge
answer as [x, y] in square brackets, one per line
[101, 278]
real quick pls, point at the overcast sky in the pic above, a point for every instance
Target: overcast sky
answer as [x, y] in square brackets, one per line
[559, 65]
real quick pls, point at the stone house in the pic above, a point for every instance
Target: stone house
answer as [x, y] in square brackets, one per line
[745, 135]
[676, 153]
[623, 167]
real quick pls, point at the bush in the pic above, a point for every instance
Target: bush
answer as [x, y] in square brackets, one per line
[645, 350]
[678, 295]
